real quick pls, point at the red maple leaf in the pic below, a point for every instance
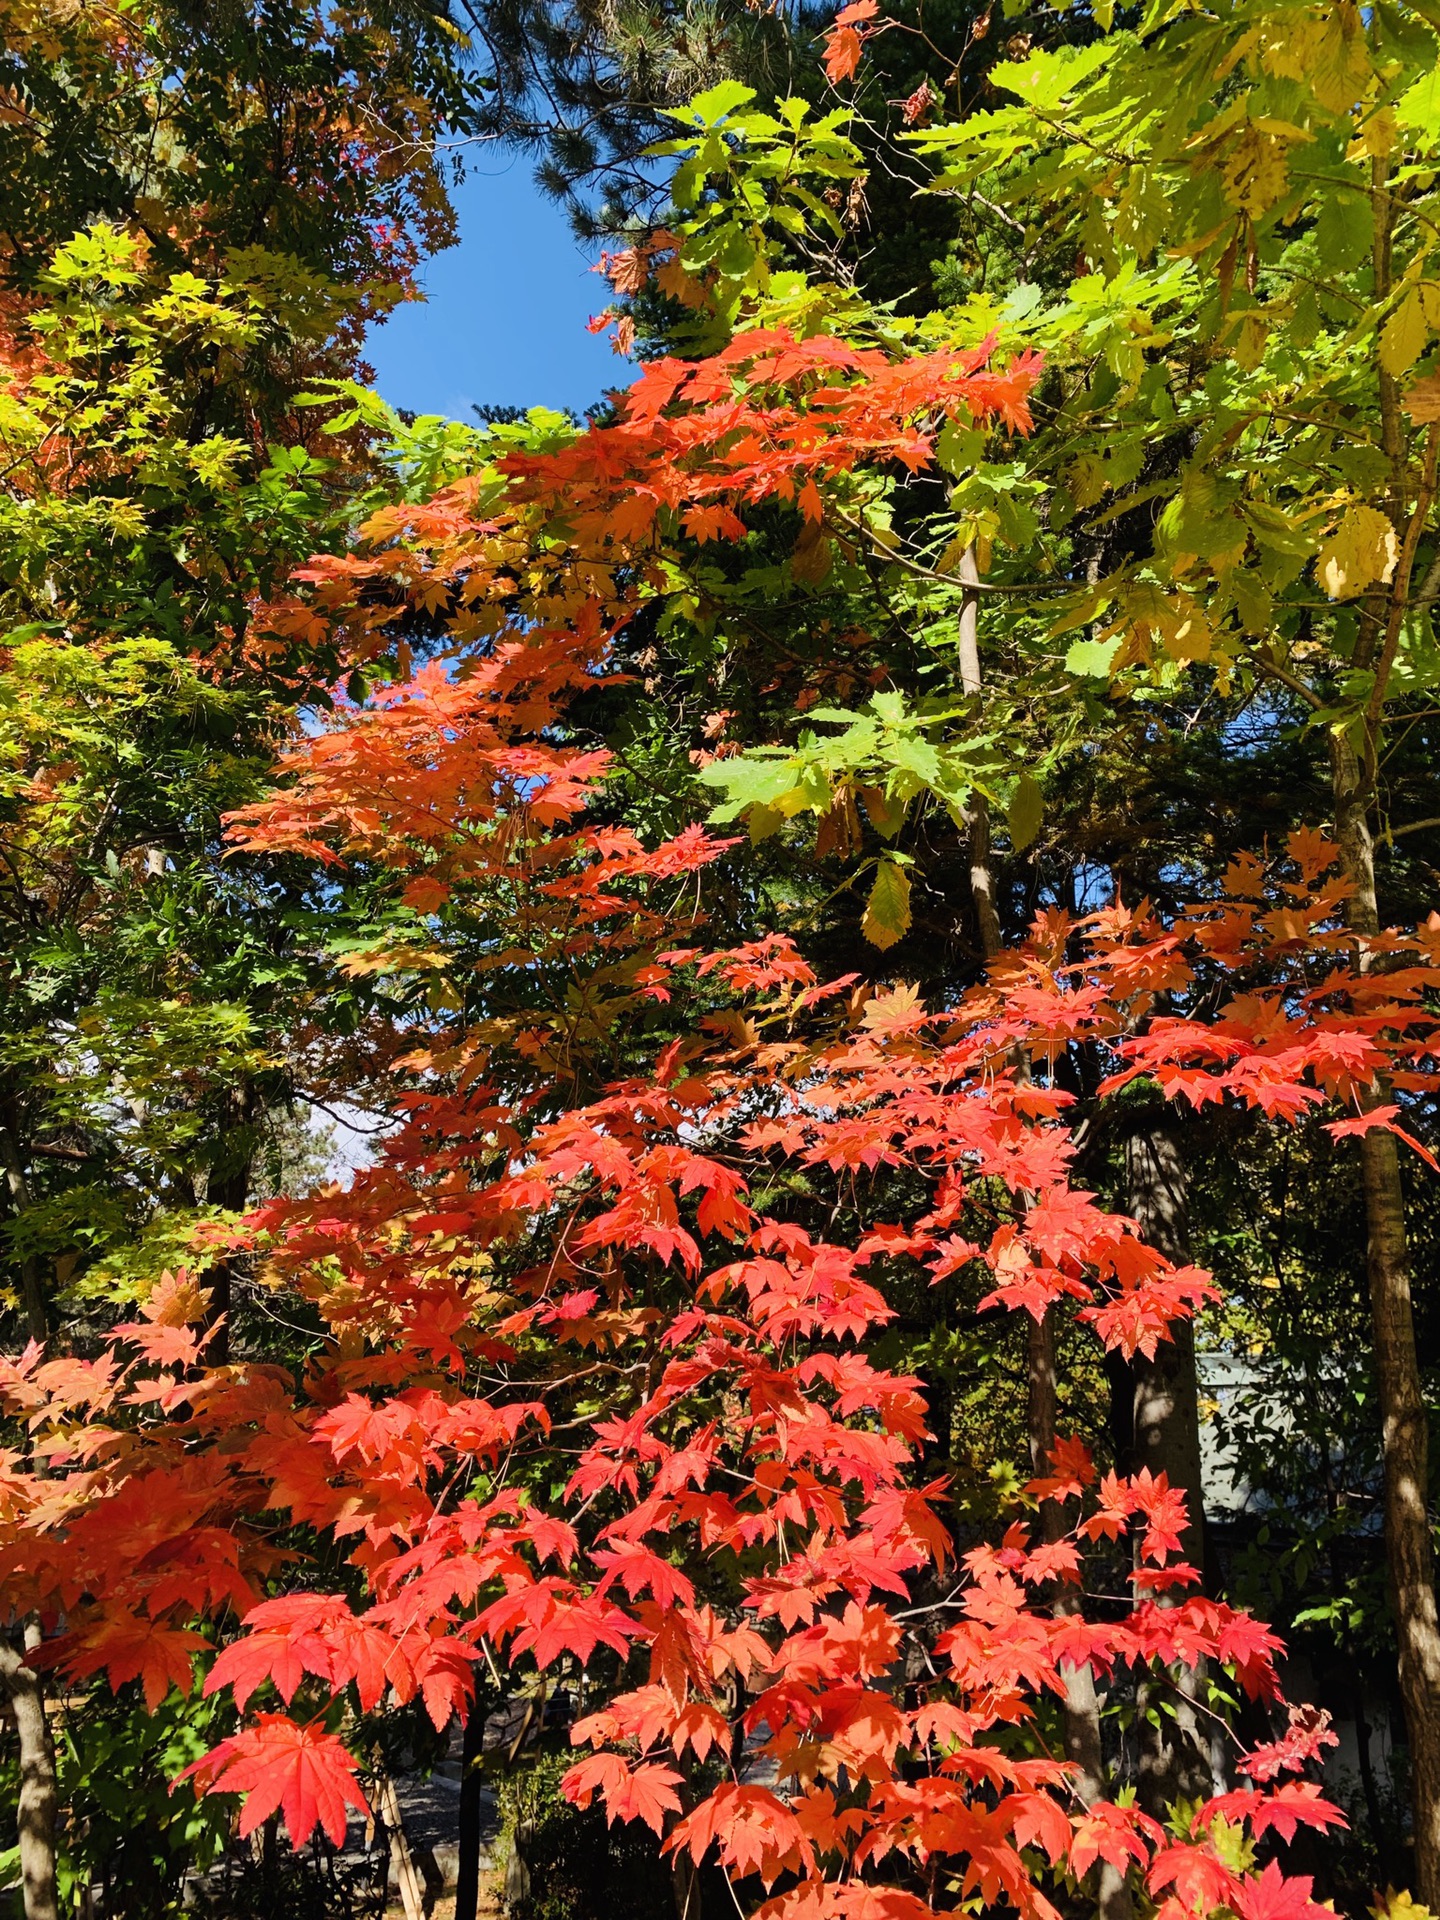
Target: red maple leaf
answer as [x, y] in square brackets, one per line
[645, 1792]
[303, 1771]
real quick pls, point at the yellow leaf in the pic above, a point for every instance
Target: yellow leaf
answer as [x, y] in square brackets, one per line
[1322, 48]
[1338, 70]
[1255, 174]
[887, 911]
[1362, 549]
[1189, 638]
[1399, 1906]
[1250, 340]
[1403, 337]
[891, 1009]
[1285, 47]
[1376, 137]
[1240, 50]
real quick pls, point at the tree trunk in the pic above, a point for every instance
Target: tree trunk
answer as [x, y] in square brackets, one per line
[467, 1879]
[1165, 1411]
[1083, 1747]
[410, 1886]
[1381, 1834]
[1404, 1424]
[1174, 1762]
[215, 1333]
[977, 810]
[39, 1794]
[230, 1190]
[685, 1887]
[31, 1291]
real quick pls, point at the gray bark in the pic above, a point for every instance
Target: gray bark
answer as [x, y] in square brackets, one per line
[39, 1795]
[1174, 1752]
[1083, 1747]
[1404, 1422]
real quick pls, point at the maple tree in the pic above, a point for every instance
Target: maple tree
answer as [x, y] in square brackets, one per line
[745, 1429]
[740, 1429]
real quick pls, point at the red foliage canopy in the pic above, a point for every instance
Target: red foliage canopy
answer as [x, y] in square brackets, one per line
[533, 1279]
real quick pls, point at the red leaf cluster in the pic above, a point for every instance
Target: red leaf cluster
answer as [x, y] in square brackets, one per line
[541, 1281]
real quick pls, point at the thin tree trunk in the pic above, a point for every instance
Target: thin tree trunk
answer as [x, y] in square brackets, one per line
[39, 1792]
[1380, 1837]
[230, 1191]
[1083, 1748]
[684, 1887]
[1174, 1761]
[409, 1884]
[1404, 1424]
[1165, 1416]
[32, 1293]
[467, 1879]
[977, 811]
